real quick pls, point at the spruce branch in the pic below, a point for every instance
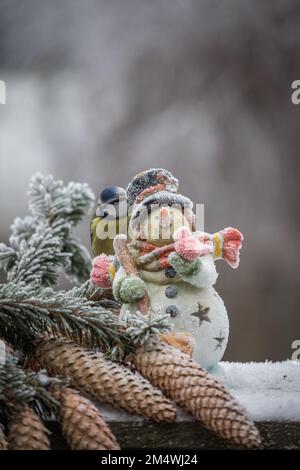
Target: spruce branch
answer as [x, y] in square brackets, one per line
[88, 291]
[38, 260]
[28, 314]
[23, 229]
[7, 257]
[50, 199]
[80, 260]
[18, 386]
[42, 243]
[139, 328]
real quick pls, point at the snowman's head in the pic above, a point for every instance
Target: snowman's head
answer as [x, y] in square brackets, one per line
[159, 224]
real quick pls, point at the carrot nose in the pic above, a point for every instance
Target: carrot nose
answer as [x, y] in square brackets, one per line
[165, 217]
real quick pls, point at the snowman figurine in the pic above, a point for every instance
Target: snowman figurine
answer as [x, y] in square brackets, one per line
[169, 267]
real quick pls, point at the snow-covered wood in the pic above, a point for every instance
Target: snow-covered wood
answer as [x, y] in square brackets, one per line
[269, 391]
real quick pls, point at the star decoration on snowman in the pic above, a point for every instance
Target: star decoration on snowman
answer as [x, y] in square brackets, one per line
[219, 340]
[202, 314]
[166, 265]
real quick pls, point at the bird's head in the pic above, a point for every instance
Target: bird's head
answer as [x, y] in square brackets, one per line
[112, 203]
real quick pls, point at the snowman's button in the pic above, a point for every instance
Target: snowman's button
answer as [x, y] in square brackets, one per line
[171, 292]
[170, 272]
[172, 310]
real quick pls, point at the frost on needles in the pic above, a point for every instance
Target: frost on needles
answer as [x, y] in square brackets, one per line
[42, 244]
[41, 248]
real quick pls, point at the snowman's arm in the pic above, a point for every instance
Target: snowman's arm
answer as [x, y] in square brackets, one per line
[225, 244]
[128, 289]
[200, 272]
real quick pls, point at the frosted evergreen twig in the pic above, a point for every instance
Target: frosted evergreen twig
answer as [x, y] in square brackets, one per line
[28, 313]
[42, 243]
[19, 386]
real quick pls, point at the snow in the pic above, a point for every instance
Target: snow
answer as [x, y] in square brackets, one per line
[268, 391]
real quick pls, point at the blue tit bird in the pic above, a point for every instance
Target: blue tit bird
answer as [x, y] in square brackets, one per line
[110, 219]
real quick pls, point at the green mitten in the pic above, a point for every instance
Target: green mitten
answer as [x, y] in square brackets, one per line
[183, 266]
[131, 289]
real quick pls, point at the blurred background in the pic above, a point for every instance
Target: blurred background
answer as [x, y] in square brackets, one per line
[100, 90]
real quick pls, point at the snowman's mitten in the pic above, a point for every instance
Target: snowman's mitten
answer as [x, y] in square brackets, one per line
[199, 273]
[188, 246]
[130, 289]
[102, 271]
[183, 266]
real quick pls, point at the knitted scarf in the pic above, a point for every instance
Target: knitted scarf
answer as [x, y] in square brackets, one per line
[226, 245]
[150, 257]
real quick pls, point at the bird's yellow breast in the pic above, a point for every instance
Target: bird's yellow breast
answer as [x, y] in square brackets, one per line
[103, 232]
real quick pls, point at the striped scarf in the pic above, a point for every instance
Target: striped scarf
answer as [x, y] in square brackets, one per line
[226, 245]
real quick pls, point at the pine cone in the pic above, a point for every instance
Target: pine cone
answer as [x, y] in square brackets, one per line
[82, 424]
[192, 388]
[104, 380]
[27, 431]
[3, 441]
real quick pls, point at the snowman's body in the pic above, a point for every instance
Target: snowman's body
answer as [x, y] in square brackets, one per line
[198, 310]
[174, 264]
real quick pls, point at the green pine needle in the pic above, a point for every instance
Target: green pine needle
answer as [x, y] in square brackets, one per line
[19, 386]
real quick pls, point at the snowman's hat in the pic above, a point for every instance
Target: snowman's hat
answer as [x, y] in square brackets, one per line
[154, 187]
